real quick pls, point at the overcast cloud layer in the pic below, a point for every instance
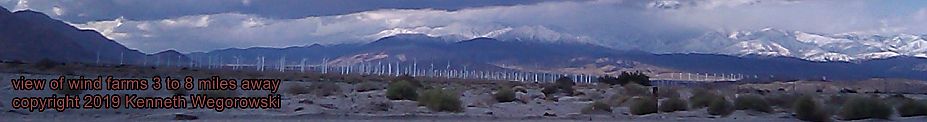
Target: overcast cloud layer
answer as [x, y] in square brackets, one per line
[614, 23]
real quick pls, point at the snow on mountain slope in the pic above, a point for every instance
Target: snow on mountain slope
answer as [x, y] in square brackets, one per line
[808, 46]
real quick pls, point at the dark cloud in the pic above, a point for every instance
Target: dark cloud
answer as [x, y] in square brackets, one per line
[80, 11]
[631, 24]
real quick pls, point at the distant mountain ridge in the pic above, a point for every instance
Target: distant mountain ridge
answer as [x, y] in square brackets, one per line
[31, 36]
[808, 46]
[563, 57]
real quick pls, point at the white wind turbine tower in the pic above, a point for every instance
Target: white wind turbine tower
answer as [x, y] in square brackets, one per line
[191, 62]
[398, 69]
[158, 64]
[302, 65]
[414, 68]
[464, 71]
[237, 62]
[379, 68]
[260, 64]
[282, 64]
[121, 56]
[98, 57]
[448, 69]
[208, 64]
[324, 65]
[168, 64]
[145, 60]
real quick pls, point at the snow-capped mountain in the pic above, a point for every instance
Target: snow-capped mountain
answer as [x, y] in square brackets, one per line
[808, 46]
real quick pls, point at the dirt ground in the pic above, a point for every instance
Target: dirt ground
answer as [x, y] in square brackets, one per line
[479, 105]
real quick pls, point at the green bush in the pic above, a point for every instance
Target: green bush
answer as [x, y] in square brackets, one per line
[325, 88]
[865, 107]
[701, 98]
[609, 80]
[807, 109]
[412, 81]
[912, 108]
[297, 89]
[616, 100]
[597, 107]
[634, 89]
[837, 99]
[549, 90]
[643, 105]
[668, 92]
[634, 77]
[752, 102]
[896, 99]
[673, 104]
[180, 91]
[565, 85]
[401, 90]
[441, 100]
[784, 101]
[504, 94]
[45, 64]
[367, 86]
[720, 106]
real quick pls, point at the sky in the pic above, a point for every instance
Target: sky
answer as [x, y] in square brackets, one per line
[203, 25]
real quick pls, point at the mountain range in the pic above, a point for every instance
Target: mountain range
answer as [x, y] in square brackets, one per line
[770, 53]
[31, 36]
[565, 57]
[808, 46]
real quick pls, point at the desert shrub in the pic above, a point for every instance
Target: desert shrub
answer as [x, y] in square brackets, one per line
[643, 105]
[401, 90]
[701, 98]
[634, 77]
[220, 93]
[896, 99]
[565, 85]
[609, 80]
[864, 108]
[325, 88]
[782, 100]
[367, 86]
[14, 63]
[616, 100]
[504, 94]
[807, 109]
[296, 89]
[912, 108]
[597, 107]
[837, 99]
[179, 91]
[520, 89]
[752, 102]
[64, 90]
[634, 89]
[569, 91]
[441, 100]
[720, 106]
[673, 104]
[412, 81]
[668, 92]
[45, 64]
[549, 90]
